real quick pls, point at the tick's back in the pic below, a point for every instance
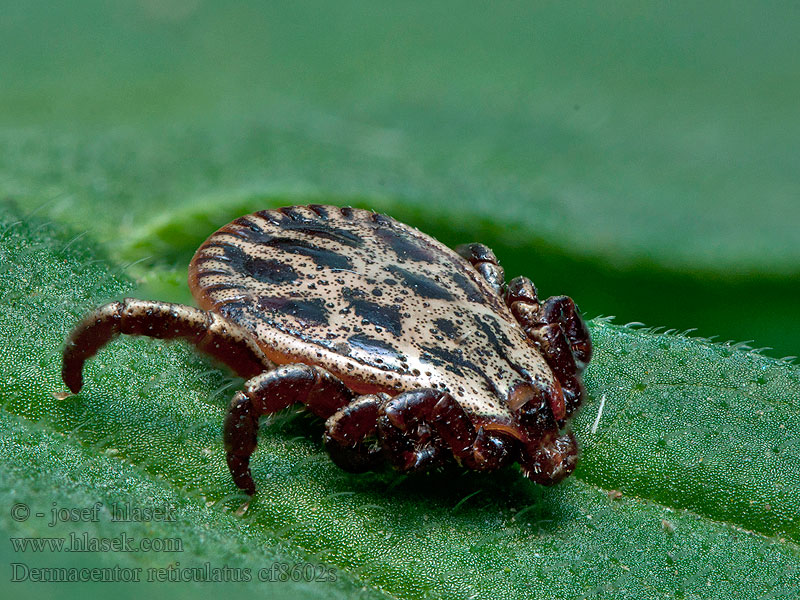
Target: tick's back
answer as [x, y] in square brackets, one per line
[378, 303]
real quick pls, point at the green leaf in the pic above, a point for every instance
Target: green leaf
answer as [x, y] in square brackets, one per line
[706, 428]
[698, 439]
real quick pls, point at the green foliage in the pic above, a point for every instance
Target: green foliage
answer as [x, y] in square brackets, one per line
[700, 440]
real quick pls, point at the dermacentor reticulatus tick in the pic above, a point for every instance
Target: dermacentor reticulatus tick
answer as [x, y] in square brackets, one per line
[414, 353]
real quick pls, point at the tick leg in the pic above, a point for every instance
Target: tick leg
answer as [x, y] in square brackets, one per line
[522, 299]
[348, 433]
[417, 427]
[562, 310]
[406, 431]
[270, 392]
[485, 262]
[558, 329]
[550, 459]
[479, 450]
[210, 333]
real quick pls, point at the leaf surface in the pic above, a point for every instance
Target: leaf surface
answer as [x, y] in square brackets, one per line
[700, 440]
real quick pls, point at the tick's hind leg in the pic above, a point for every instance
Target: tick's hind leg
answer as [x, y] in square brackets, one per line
[485, 262]
[210, 333]
[558, 329]
[270, 392]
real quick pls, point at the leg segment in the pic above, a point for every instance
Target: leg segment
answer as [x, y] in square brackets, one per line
[522, 298]
[210, 333]
[348, 433]
[562, 310]
[558, 329]
[485, 262]
[270, 392]
[550, 459]
[406, 431]
[416, 428]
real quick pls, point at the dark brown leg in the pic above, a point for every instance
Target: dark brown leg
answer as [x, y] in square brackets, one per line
[558, 329]
[210, 333]
[522, 298]
[351, 434]
[417, 427]
[407, 434]
[550, 459]
[485, 262]
[562, 310]
[270, 392]
[477, 450]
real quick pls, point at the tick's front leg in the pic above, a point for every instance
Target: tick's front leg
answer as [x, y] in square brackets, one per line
[558, 329]
[523, 300]
[210, 333]
[270, 392]
[485, 262]
[562, 310]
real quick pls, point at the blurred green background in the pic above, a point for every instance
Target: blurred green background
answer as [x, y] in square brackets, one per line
[642, 158]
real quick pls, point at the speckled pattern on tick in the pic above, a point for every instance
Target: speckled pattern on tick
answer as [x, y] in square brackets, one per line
[412, 352]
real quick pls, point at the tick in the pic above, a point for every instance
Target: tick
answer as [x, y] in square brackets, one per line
[414, 353]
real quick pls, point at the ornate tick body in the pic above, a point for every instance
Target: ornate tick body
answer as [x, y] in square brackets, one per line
[411, 352]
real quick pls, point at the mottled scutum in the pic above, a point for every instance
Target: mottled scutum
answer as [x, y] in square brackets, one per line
[377, 303]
